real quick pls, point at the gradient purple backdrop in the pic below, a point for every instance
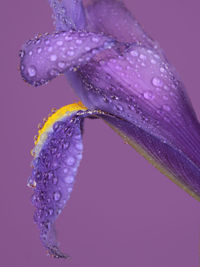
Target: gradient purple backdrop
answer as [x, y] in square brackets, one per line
[123, 212]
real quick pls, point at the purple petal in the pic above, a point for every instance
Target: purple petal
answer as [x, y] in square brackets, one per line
[169, 159]
[111, 17]
[68, 14]
[57, 155]
[141, 88]
[45, 57]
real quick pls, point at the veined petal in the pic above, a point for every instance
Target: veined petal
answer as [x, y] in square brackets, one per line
[140, 87]
[68, 14]
[168, 159]
[111, 17]
[57, 155]
[46, 56]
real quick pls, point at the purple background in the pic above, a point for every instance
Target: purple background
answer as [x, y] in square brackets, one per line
[122, 212]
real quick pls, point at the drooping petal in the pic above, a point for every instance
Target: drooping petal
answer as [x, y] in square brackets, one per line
[57, 154]
[46, 56]
[112, 17]
[140, 87]
[68, 14]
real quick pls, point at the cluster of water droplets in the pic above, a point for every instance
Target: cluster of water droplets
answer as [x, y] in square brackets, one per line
[45, 57]
[53, 173]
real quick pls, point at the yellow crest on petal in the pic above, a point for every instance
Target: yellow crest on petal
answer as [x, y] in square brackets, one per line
[55, 116]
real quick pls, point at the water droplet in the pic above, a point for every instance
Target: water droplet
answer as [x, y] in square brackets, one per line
[157, 81]
[55, 179]
[166, 107]
[59, 43]
[95, 39]
[70, 53]
[131, 107]
[120, 108]
[148, 95]
[134, 53]
[87, 48]
[77, 137]
[61, 64]
[69, 179]
[57, 196]
[30, 53]
[78, 41]
[39, 50]
[166, 87]
[50, 48]
[21, 53]
[31, 71]
[53, 57]
[54, 72]
[143, 57]
[79, 146]
[162, 69]
[153, 61]
[50, 211]
[70, 161]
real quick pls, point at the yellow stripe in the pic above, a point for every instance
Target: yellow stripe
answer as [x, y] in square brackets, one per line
[49, 122]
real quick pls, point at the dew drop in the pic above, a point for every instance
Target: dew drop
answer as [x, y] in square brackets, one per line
[60, 43]
[57, 196]
[120, 108]
[162, 69]
[134, 53]
[21, 53]
[31, 71]
[69, 179]
[30, 53]
[153, 61]
[55, 179]
[148, 95]
[157, 82]
[61, 64]
[78, 41]
[143, 57]
[70, 53]
[166, 107]
[50, 211]
[53, 57]
[79, 146]
[54, 72]
[70, 161]
[39, 50]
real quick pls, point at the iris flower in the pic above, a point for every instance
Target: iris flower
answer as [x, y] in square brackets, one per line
[122, 76]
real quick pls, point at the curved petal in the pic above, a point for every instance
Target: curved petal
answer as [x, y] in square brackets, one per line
[140, 87]
[112, 17]
[46, 56]
[57, 154]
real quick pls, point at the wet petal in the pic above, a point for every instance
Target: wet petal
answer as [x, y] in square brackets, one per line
[111, 17]
[46, 56]
[167, 158]
[57, 154]
[68, 14]
[142, 89]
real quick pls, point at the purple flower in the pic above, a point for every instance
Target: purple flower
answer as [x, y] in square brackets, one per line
[122, 76]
